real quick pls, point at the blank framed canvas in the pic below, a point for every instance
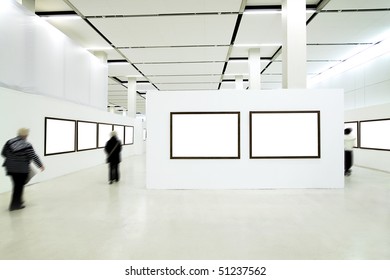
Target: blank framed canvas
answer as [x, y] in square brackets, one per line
[60, 136]
[104, 131]
[355, 131]
[86, 135]
[205, 135]
[120, 130]
[129, 135]
[375, 134]
[285, 134]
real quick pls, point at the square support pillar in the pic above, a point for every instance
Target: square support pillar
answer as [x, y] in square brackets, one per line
[294, 44]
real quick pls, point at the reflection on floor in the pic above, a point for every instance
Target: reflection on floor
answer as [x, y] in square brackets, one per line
[80, 216]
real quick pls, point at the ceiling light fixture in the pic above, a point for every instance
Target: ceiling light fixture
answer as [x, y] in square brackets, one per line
[99, 49]
[270, 11]
[244, 60]
[60, 17]
[256, 45]
[362, 57]
[262, 12]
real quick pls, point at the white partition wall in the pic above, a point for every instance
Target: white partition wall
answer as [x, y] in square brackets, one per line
[315, 118]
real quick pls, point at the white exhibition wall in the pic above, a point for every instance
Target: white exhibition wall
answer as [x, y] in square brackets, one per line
[367, 97]
[38, 58]
[29, 110]
[375, 159]
[245, 173]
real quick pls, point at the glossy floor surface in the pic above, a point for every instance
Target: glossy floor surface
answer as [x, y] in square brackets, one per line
[80, 216]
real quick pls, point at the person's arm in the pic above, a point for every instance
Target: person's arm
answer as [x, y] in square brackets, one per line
[3, 151]
[34, 157]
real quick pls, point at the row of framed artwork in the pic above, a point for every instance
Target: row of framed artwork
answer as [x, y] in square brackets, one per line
[371, 134]
[272, 134]
[68, 136]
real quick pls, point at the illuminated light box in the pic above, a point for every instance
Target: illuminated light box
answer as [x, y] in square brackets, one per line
[129, 135]
[375, 134]
[355, 131]
[60, 136]
[285, 134]
[86, 135]
[120, 130]
[104, 131]
[205, 135]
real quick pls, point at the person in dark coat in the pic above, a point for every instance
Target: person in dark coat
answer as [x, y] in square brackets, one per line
[113, 150]
[18, 154]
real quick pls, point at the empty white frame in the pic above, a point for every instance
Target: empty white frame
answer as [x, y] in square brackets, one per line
[104, 131]
[285, 134]
[375, 134]
[60, 136]
[86, 135]
[355, 133]
[205, 135]
[120, 131]
[129, 135]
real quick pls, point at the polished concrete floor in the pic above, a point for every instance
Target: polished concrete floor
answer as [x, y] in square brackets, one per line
[80, 216]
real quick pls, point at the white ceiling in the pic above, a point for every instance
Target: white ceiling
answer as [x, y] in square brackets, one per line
[203, 44]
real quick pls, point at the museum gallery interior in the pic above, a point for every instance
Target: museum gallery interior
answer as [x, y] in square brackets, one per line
[231, 115]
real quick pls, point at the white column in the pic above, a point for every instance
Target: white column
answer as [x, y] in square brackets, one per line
[239, 82]
[29, 4]
[254, 68]
[101, 55]
[131, 97]
[294, 43]
[111, 109]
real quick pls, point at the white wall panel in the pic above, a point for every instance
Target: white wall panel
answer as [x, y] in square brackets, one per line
[370, 158]
[245, 173]
[37, 58]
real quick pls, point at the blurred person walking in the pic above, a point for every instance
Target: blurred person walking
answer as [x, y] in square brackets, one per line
[113, 150]
[349, 141]
[18, 154]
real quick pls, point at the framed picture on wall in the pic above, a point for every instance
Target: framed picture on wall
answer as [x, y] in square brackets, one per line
[87, 138]
[129, 135]
[60, 136]
[205, 135]
[120, 131]
[104, 130]
[375, 134]
[284, 134]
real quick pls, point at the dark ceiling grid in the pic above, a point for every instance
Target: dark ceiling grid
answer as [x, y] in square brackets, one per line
[85, 18]
[318, 9]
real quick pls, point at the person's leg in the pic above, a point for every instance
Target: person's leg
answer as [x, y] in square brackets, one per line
[348, 156]
[19, 179]
[117, 172]
[110, 172]
[345, 162]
